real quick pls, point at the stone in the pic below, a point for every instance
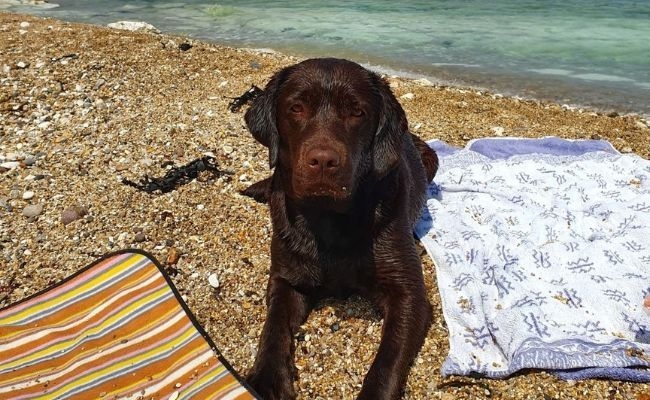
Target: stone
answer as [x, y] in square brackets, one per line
[8, 165]
[213, 280]
[173, 255]
[100, 82]
[22, 64]
[407, 96]
[29, 161]
[134, 26]
[28, 195]
[498, 130]
[33, 210]
[72, 214]
[423, 82]
[5, 205]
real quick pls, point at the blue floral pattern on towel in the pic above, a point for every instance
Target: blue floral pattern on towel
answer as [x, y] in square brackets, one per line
[542, 260]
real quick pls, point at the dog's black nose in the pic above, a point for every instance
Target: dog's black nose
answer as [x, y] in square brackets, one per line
[323, 159]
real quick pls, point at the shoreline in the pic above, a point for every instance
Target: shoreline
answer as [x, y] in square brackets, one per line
[82, 107]
[593, 93]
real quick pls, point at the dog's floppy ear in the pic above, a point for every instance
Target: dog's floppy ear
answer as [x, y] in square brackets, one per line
[261, 118]
[392, 130]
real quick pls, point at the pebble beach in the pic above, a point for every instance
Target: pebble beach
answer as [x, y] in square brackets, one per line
[83, 107]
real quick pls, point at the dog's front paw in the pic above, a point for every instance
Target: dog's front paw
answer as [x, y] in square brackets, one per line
[272, 383]
[259, 191]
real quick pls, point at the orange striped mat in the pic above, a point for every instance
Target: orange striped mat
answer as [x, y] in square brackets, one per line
[118, 329]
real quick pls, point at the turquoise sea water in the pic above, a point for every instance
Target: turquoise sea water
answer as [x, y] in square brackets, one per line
[591, 53]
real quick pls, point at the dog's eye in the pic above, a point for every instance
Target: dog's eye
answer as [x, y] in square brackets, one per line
[357, 112]
[297, 108]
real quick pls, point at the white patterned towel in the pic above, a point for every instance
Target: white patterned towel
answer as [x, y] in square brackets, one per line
[542, 253]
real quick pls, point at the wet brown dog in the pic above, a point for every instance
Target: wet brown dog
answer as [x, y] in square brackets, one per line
[348, 186]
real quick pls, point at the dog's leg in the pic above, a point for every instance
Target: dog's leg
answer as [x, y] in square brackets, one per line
[428, 156]
[401, 297]
[273, 373]
[259, 191]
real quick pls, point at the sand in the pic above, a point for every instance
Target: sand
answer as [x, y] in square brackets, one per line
[82, 107]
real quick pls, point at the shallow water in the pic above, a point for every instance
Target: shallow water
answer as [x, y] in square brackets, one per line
[593, 53]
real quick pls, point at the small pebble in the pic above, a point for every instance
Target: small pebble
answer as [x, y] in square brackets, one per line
[626, 150]
[407, 96]
[28, 195]
[24, 24]
[498, 130]
[33, 210]
[213, 280]
[173, 255]
[72, 214]
[8, 165]
[140, 237]
[29, 161]
[5, 205]
[185, 46]
[22, 64]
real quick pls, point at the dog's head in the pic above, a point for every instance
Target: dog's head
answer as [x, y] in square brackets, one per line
[328, 124]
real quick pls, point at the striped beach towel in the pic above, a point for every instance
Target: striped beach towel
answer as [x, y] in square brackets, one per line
[118, 329]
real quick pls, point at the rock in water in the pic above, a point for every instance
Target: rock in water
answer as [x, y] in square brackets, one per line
[134, 26]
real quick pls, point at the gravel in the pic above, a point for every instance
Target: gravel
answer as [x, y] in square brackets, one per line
[82, 108]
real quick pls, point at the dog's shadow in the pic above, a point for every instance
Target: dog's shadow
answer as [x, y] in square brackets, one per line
[344, 310]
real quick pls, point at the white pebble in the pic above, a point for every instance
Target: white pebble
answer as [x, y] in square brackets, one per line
[33, 210]
[213, 280]
[498, 130]
[10, 165]
[407, 96]
[28, 195]
[423, 82]
[24, 24]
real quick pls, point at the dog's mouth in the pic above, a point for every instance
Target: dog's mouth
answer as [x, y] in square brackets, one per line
[333, 192]
[327, 195]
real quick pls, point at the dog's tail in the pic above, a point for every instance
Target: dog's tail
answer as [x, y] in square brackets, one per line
[428, 156]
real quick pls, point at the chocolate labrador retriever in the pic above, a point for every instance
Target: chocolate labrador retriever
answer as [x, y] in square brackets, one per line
[348, 185]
